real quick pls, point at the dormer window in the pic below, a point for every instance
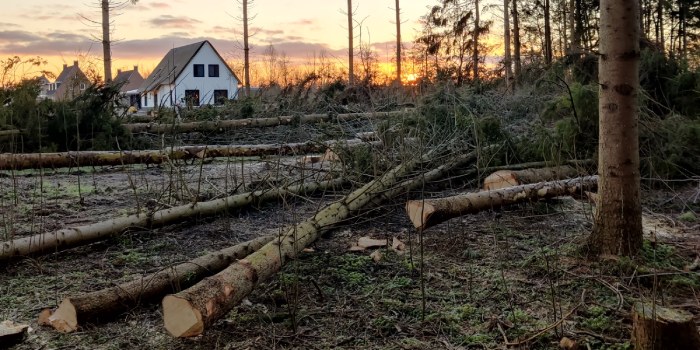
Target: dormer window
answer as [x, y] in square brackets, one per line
[198, 70]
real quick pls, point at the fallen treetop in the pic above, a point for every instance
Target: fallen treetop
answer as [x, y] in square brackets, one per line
[109, 302]
[426, 213]
[222, 125]
[74, 236]
[189, 312]
[12, 161]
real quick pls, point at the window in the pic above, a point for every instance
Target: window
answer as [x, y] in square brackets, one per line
[192, 97]
[82, 86]
[198, 70]
[214, 70]
[220, 96]
[145, 99]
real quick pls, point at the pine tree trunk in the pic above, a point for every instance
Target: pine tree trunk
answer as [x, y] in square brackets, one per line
[233, 124]
[506, 46]
[398, 43]
[547, 34]
[655, 327]
[475, 52]
[351, 54]
[107, 303]
[246, 50]
[516, 40]
[10, 161]
[188, 313]
[106, 42]
[80, 235]
[618, 219]
[426, 213]
[508, 178]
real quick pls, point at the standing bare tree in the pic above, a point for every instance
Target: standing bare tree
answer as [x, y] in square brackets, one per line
[618, 219]
[398, 43]
[351, 73]
[107, 6]
[547, 34]
[475, 52]
[516, 40]
[506, 45]
[246, 50]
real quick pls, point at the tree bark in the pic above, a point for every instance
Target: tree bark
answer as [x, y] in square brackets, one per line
[398, 43]
[618, 219]
[75, 236]
[547, 34]
[426, 213]
[107, 303]
[516, 41]
[655, 327]
[475, 52]
[188, 313]
[20, 161]
[233, 124]
[351, 55]
[506, 46]
[106, 42]
[246, 50]
[509, 178]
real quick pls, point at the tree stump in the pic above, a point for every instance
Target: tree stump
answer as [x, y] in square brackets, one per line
[656, 327]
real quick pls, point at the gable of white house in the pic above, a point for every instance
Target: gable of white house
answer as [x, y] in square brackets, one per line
[205, 80]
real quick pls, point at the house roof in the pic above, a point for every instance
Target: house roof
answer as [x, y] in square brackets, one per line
[129, 80]
[68, 71]
[174, 62]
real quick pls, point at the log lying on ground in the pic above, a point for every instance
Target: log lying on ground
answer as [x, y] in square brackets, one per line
[222, 125]
[9, 133]
[11, 333]
[509, 178]
[657, 327]
[71, 237]
[9, 161]
[109, 302]
[426, 213]
[189, 312]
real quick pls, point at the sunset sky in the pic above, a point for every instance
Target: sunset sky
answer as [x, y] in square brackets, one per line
[143, 33]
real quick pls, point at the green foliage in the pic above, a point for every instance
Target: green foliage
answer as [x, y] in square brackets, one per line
[86, 122]
[670, 148]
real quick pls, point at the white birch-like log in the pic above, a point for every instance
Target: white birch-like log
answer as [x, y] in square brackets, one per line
[426, 213]
[109, 302]
[75, 236]
[233, 124]
[189, 312]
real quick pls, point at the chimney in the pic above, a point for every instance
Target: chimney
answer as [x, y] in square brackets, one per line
[65, 66]
[119, 71]
[75, 63]
[136, 68]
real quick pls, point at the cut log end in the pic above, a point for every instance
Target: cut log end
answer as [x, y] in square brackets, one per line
[64, 319]
[500, 179]
[181, 318]
[657, 327]
[11, 333]
[419, 212]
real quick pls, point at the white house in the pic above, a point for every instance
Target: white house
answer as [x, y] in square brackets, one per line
[191, 75]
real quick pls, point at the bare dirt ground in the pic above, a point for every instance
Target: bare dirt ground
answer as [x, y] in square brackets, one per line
[518, 278]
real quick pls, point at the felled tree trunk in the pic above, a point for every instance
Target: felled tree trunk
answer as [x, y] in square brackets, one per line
[223, 125]
[426, 213]
[189, 312]
[10, 161]
[509, 178]
[71, 237]
[11, 333]
[109, 302]
[655, 327]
